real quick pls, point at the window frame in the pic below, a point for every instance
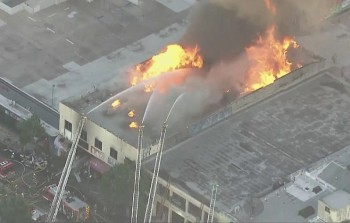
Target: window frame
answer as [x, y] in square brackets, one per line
[68, 124]
[97, 144]
[83, 133]
[327, 209]
[111, 149]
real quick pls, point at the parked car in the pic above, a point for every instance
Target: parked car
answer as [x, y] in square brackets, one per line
[38, 216]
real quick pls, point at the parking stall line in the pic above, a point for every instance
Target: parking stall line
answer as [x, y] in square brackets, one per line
[31, 19]
[51, 30]
[69, 41]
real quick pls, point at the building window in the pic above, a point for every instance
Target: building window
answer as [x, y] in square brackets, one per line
[194, 210]
[98, 144]
[113, 153]
[327, 209]
[83, 135]
[83, 140]
[67, 125]
[162, 191]
[178, 201]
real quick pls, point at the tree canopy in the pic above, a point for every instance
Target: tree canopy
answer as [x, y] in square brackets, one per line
[31, 128]
[13, 209]
[117, 189]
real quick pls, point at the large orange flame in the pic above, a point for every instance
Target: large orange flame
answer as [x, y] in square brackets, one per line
[268, 60]
[173, 57]
[270, 6]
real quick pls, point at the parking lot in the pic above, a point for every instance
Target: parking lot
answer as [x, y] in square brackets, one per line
[37, 46]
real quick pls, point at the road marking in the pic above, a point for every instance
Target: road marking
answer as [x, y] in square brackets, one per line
[31, 19]
[76, 53]
[53, 14]
[66, 9]
[69, 41]
[102, 218]
[51, 30]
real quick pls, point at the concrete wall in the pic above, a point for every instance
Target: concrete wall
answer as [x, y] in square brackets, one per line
[218, 217]
[95, 131]
[334, 215]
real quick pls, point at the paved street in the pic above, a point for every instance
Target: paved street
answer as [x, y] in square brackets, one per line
[76, 31]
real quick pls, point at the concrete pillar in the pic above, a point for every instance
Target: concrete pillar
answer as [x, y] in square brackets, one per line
[169, 208]
[186, 206]
[169, 214]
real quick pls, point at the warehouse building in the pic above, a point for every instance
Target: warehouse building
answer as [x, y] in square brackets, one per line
[255, 151]
[109, 139]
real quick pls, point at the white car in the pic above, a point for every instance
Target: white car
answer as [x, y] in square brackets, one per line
[38, 216]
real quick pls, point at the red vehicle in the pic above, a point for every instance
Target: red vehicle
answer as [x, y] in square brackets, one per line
[6, 167]
[71, 206]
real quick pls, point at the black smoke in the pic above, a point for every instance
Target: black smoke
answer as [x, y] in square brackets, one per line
[222, 29]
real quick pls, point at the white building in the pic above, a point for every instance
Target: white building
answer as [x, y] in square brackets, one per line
[335, 207]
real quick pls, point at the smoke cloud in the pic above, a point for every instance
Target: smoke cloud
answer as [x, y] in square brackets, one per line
[223, 28]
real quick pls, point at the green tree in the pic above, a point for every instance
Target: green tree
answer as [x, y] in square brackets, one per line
[31, 128]
[13, 209]
[117, 190]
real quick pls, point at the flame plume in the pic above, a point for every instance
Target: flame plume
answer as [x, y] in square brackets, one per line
[270, 6]
[268, 60]
[172, 58]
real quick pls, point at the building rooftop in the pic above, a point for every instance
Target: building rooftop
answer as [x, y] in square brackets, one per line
[96, 102]
[253, 149]
[289, 201]
[337, 176]
[338, 199]
[12, 3]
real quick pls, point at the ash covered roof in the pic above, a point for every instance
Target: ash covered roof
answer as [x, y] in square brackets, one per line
[254, 148]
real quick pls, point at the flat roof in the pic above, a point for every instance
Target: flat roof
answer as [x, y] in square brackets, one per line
[96, 104]
[338, 199]
[336, 175]
[12, 3]
[253, 149]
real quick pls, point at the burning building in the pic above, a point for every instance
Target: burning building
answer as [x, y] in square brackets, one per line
[213, 78]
